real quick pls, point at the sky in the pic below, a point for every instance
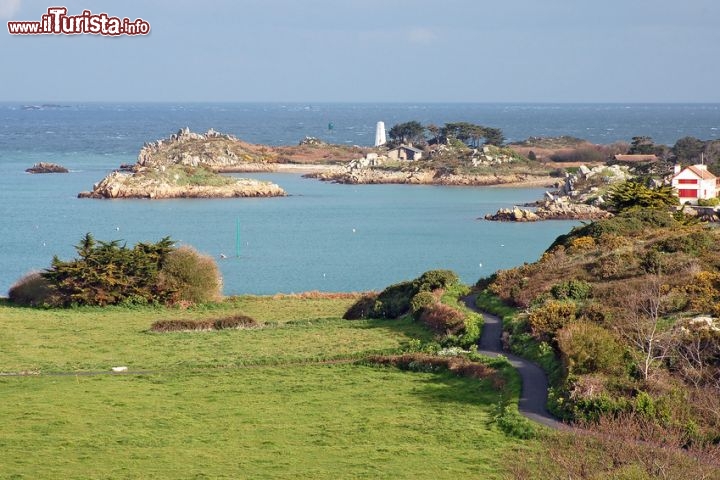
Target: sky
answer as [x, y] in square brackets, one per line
[371, 51]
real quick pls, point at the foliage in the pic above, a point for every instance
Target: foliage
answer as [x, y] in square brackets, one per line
[408, 132]
[642, 145]
[394, 301]
[189, 276]
[108, 273]
[509, 420]
[708, 202]
[32, 290]
[571, 290]
[472, 134]
[625, 224]
[588, 348]
[420, 301]
[233, 321]
[584, 154]
[633, 194]
[443, 319]
[688, 149]
[546, 319]
[362, 308]
[435, 279]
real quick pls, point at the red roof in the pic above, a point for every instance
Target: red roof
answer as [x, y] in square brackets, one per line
[701, 172]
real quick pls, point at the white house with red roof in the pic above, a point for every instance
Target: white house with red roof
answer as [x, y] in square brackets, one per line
[694, 183]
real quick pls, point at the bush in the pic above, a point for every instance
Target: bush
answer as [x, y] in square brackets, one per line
[435, 279]
[548, 318]
[181, 325]
[443, 319]
[362, 308]
[235, 321]
[189, 276]
[710, 202]
[394, 301]
[571, 290]
[420, 301]
[225, 323]
[32, 290]
[588, 348]
[509, 420]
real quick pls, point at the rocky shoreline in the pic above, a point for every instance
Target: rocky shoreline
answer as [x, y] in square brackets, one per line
[369, 176]
[123, 185]
[186, 165]
[550, 211]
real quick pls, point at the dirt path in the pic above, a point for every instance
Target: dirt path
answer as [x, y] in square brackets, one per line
[534, 391]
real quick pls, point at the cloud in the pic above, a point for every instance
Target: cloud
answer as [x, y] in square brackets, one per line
[421, 35]
[8, 8]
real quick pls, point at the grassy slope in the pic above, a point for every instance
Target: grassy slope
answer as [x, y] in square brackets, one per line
[192, 421]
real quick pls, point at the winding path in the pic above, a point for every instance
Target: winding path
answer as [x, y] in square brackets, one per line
[534, 391]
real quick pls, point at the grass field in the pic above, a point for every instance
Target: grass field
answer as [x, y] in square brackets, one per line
[234, 404]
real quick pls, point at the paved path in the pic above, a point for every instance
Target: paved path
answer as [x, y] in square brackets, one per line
[533, 394]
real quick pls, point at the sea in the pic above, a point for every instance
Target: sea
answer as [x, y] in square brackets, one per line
[323, 236]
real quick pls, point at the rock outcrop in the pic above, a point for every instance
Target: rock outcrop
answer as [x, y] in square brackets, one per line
[357, 172]
[218, 151]
[186, 165]
[145, 185]
[46, 167]
[550, 210]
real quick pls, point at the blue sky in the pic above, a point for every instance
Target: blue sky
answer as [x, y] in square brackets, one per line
[373, 51]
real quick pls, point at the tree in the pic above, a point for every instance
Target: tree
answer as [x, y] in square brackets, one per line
[107, 273]
[634, 194]
[434, 132]
[642, 146]
[494, 136]
[688, 149]
[408, 132]
[641, 323]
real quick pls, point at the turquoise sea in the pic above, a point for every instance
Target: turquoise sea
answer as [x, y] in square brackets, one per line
[323, 236]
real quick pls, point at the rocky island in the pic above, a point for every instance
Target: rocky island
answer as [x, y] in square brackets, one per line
[187, 165]
[46, 167]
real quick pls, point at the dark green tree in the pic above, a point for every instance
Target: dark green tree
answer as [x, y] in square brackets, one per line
[107, 273]
[408, 132]
[633, 194]
[688, 150]
[642, 146]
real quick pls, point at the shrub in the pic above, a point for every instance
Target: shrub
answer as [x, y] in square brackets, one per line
[443, 319]
[571, 290]
[509, 420]
[394, 301]
[181, 325]
[362, 308]
[235, 321]
[580, 244]
[189, 276]
[710, 202]
[588, 348]
[420, 301]
[548, 318]
[32, 290]
[435, 279]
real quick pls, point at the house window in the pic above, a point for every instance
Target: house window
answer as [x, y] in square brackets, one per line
[687, 193]
[687, 181]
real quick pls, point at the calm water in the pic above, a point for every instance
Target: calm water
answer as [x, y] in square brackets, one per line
[323, 236]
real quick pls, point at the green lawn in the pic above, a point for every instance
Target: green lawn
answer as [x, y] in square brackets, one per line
[234, 404]
[340, 421]
[98, 338]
